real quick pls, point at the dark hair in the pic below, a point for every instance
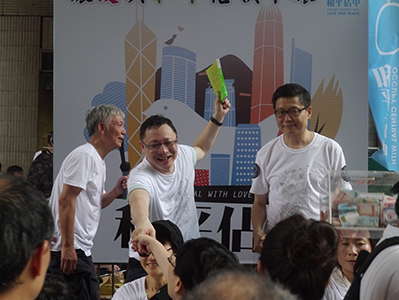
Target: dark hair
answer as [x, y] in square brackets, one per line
[395, 191]
[238, 283]
[25, 222]
[198, 258]
[155, 121]
[292, 90]
[168, 232]
[14, 168]
[101, 114]
[301, 254]
[55, 288]
[50, 138]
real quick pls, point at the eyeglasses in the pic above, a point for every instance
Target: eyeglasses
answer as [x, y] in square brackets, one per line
[293, 112]
[156, 147]
[172, 260]
[146, 255]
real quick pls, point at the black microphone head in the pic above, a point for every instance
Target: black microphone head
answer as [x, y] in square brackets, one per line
[125, 166]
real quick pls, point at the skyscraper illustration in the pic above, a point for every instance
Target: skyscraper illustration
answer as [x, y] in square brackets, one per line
[220, 169]
[209, 107]
[178, 75]
[247, 143]
[268, 66]
[140, 68]
[301, 67]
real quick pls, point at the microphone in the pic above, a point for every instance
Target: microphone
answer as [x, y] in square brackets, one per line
[125, 168]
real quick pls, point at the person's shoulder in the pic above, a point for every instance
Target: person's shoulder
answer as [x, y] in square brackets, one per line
[136, 286]
[390, 232]
[143, 176]
[37, 153]
[85, 149]
[133, 285]
[129, 289]
[81, 148]
[44, 156]
[142, 168]
[270, 144]
[185, 148]
[322, 139]
[85, 152]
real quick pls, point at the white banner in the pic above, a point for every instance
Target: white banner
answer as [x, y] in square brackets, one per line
[150, 56]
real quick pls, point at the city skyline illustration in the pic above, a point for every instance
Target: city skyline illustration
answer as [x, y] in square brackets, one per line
[182, 93]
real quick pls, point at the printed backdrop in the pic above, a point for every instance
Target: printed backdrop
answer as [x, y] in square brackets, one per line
[150, 56]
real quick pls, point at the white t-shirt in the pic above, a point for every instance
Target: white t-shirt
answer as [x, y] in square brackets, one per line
[171, 196]
[295, 179]
[381, 280]
[338, 286]
[83, 168]
[132, 290]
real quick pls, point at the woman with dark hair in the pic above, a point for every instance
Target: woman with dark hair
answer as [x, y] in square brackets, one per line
[300, 254]
[153, 286]
[351, 242]
[193, 262]
[197, 259]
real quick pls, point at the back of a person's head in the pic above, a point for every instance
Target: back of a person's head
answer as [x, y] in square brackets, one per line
[50, 139]
[301, 254]
[168, 232]
[395, 191]
[236, 284]
[199, 258]
[15, 170]
[55, 288]
[25, 223]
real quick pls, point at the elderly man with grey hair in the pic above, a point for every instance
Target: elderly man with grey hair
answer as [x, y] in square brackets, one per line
[237, 283]
[77, 199]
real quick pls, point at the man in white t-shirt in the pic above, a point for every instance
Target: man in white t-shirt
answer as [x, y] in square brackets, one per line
[78, 196]
[162, 186]
[290, 170]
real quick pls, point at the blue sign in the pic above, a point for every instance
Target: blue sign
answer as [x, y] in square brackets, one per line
[383, 77]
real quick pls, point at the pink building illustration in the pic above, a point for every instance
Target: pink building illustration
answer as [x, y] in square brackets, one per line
[268, 67]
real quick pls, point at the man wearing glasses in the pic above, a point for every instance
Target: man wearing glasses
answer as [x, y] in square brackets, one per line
[290, 170]
[162, 186]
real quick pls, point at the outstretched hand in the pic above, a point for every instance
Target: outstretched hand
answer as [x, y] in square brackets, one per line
[144, 229]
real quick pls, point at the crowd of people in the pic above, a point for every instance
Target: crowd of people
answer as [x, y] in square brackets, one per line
[47, 234]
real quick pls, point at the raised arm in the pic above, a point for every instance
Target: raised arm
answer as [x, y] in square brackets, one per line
[67, 223]
[208, 136]
[258, 218]
[139, 201]
[159, 251]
